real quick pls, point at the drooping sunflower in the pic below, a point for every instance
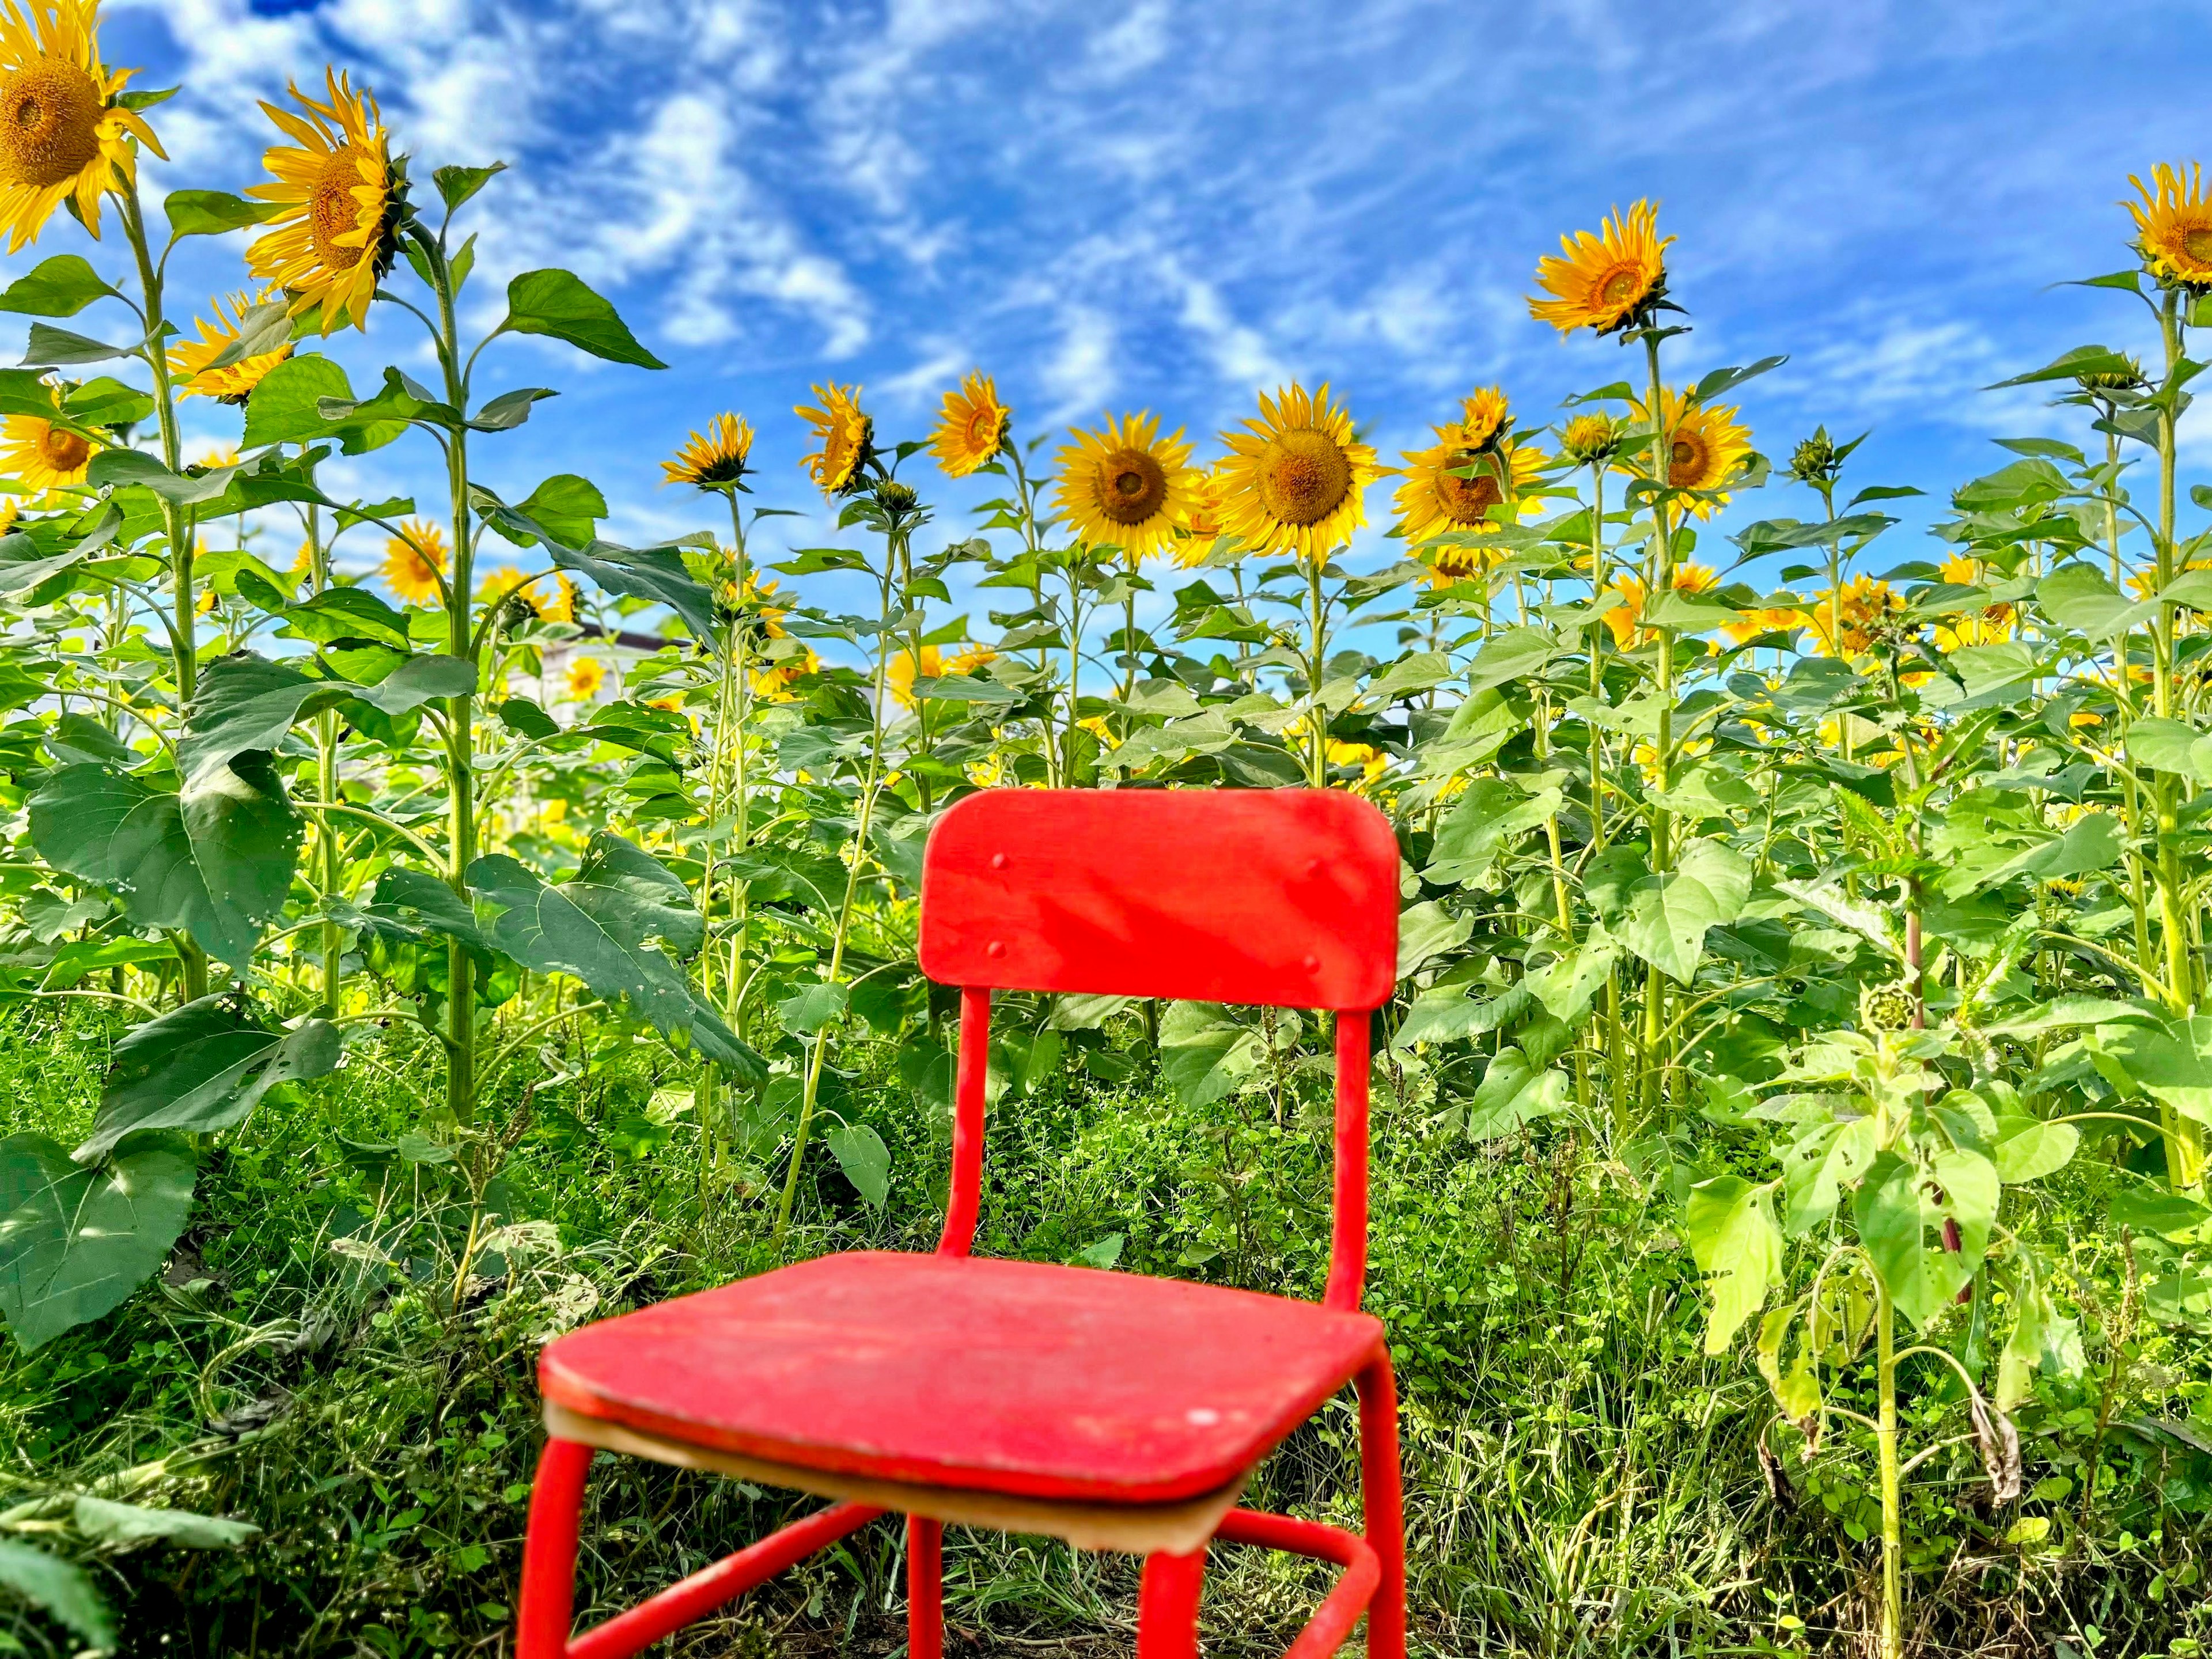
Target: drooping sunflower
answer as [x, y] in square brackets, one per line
[1124, 485]
[1450, 488]
[776, 683]
[971, 426]
[846, 435]
[714, 459]
[1485, 416]
[342, 199]
[190, 360]
[414, 561]
[1294, 479]
[40, 455]
[62, 133]
[1609, 282]
[1706, 446]
[1866, 605]
[2173, 225]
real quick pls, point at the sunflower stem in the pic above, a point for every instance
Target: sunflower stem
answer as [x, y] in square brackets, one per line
[1661, 582]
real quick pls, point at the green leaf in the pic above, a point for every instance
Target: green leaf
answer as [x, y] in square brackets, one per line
[1512, 654]
[59, 286]
[1667, 915]
[606, 927]
[2169, 1061]
[285, 404]
[568, 507]
[121, 467]
[61, 1590]
[1513, 1093]
[2029, 1149]
[1204, 1052]
[212, 212]
[136, 840]
[1102, 1254]
[865, 1161]
[1729, 1224]
[1427, 930]
[2153, 1210]
[2092, 842]
[456, 183]
[558, 304]
[202, 1068]
[75, 1242]
[349, 613]
[1817, 1165]
[410, 905]
[417, 680]
[244, 703]
[813, 1008]
[54, 348]
[2170, 746]
[646, 572]
[1900, 1209]
[124, 1524]
[1484, 815]
[507, 410]
[2077, 597]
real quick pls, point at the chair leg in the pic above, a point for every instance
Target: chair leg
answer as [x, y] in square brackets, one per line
[1167, 1605]
[925, 1587]
[549, 1551]
[1382, 1496]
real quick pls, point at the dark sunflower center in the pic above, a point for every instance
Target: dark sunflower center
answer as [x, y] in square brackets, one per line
[65, 452]
[983, 428]
[2197, 244]
[1303, 477]
[1687, 462]
[1468, 499]
[1621, 285]
[1134, 487]
[49, 123]
[332, 210]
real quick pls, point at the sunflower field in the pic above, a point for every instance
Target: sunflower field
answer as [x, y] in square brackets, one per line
[428, 925]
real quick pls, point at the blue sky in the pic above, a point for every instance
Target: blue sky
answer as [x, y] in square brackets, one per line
[1167, 203]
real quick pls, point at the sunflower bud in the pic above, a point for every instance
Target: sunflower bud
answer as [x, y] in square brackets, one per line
[1816, 460]
[2130, 380]
[1591, 440]
[897, 498]
[1885, 1008]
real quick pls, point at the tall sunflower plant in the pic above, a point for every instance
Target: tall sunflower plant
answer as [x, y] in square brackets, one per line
[375, 732]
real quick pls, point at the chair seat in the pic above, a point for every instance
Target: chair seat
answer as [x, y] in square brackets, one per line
[1008, 1377]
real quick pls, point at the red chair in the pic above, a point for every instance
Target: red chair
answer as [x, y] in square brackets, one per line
[1111, 1410]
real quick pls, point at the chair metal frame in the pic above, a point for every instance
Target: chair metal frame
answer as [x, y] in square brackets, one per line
[1284, 897]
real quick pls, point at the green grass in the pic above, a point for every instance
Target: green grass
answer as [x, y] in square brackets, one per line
[1582, 1478]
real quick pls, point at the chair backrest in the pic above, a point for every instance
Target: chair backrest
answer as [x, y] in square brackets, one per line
[1287, 897]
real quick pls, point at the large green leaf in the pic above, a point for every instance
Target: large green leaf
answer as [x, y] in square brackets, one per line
[202, 1067]
[1489, 812]
[646, 573]
[245, 841]
[558, 303]
[1901, 1208]
[212, 212]
[1729, 1222]
[75, 1241]
[246, 703]
[1668, 914]
[59, 286]
[2076, 596]
[1816, 1167]
[2169, 1061]
[1513, 1093]
[1204, 1052]
[607, 927]
[133, 1523]
[61, 1590]
[865, 1160]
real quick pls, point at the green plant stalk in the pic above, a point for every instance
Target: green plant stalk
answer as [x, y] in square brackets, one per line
[727, 777]
[1317, 718]
[2184, 1139]
[1025, 492]
[177, 522]
[1885, 1438]
[2122, 654]
[811, 1090]
[1661, 582]
[460, 711]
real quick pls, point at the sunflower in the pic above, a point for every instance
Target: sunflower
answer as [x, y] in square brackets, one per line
[1485, 416]
[1202, 520]
[714, 459]
[1625, 619]
[758, 599]
[1866, 603]
[1705, 446]
[1294, 479]
[559, 605]
[1450, 488]
[899, 674]
[1990, 625]
[971, 426]
[1612, 281]
[190, 361]
[776, 683]
[342, 203]
[62, 133]
[414, 560]
[1124, 485]
[2173, 225]
[1774, 619]
[40, 455]
[847, 436]
[585, 676]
